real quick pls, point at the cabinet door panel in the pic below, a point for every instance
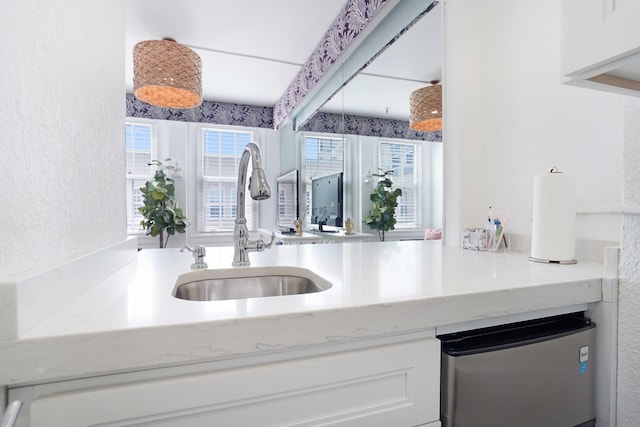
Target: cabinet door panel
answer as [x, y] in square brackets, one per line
[389, 385]
[597, 31]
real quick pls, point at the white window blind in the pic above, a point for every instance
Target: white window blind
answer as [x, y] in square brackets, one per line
[218, 164]
[322, 156]
[404, 160]
[139, 152]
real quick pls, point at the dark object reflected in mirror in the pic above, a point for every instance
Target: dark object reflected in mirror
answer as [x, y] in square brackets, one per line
[288, 206]
[327, 201]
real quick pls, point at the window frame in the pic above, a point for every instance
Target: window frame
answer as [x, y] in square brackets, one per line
[416, 185]
[131, 179]
[252, 208]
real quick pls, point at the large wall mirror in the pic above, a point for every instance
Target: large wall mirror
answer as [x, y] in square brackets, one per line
[366, 120]
[371, 82]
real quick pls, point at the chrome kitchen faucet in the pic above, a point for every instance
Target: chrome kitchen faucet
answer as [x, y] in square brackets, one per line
[260, 190]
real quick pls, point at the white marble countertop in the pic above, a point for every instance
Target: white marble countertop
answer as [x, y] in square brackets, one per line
[131, 320]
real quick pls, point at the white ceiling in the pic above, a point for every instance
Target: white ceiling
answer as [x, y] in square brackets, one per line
[252, 49]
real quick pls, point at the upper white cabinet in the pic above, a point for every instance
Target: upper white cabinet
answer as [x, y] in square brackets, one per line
[601, 44]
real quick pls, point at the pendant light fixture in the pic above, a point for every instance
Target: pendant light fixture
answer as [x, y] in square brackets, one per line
[426, 108]
[167, 74]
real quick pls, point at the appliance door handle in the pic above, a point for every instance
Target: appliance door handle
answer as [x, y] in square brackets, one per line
[11, 414]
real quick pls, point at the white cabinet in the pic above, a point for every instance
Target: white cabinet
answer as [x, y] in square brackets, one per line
[396, 384]
[601, 44]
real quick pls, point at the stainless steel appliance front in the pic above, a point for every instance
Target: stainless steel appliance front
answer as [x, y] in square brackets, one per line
[529, 374]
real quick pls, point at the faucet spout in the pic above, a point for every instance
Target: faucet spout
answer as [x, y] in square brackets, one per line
[260, 190]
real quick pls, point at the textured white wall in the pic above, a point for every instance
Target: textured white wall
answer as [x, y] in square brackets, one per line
[629, 288]
[62, 130]
[508, 118]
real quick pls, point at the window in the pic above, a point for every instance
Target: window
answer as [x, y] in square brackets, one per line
[218, 164]
[139, 152]
[404, 160]
[322, 156]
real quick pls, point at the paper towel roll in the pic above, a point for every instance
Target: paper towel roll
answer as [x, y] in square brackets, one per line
[554, 218]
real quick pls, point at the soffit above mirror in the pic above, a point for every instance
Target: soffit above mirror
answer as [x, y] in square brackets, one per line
[251, 53]
[382, 89]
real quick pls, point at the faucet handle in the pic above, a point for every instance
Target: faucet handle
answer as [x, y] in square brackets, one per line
[261, 245]
[273, 238]
[199, 252]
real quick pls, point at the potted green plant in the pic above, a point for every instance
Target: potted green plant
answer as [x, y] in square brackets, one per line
[160, 210]
[382, 214]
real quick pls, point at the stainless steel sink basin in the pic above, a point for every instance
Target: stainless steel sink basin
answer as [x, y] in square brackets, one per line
[216, 285]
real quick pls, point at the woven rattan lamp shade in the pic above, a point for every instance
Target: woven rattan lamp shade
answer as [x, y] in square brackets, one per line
[426, 108]
[167, 74]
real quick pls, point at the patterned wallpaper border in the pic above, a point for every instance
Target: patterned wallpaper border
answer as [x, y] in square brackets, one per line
[262, 117]
[208, 112]
[346, 27]
[366, 126]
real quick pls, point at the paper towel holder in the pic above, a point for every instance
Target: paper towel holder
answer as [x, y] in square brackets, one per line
[553, 170]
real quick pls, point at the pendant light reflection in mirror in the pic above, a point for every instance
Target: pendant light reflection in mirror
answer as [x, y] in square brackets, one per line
[426, 108]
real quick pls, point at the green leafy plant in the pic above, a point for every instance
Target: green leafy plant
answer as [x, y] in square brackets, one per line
[162, 216]
[382, 214]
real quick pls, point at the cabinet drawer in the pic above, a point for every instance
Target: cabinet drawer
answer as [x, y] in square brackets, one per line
[387, 385]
